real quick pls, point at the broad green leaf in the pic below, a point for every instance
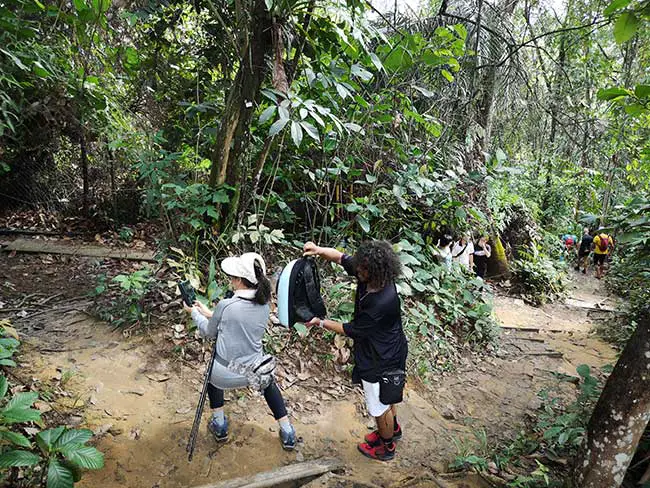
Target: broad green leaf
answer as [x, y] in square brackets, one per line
[74, 436]
[296, 133]
[635, 109]
[363, 222]
[616, 5]
[283, 112]
[4, 385]
[612, 93]
[552, 432]
[277, 126]
[583, 370]
[267, 114]
[15, 59]
[20, 401]
[59, 475]
[398, 59]
[46, 439]
[310, 130]
[15, 438]
[353, 127]
[642, 91]
[358, 70]
[301, 329]
[376, 61]
[625, 27]
[85, 457]
[447, 75]
[461, 30]
[79, 5]
[18, 458]
[19, 415]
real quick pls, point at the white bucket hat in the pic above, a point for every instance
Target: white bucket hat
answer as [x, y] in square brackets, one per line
[243, 266]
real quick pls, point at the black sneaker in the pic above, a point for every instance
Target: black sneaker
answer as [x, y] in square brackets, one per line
[220, 432]
[288, 439]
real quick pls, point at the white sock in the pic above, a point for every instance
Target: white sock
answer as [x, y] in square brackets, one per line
[218, 416]
[285, 425]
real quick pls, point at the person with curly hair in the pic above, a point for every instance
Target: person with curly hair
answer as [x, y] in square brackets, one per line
[376, 329]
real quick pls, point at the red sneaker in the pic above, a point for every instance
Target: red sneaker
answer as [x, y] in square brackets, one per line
[374, 439]
[382, 452]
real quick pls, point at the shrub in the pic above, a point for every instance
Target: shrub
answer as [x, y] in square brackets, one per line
[537, 278]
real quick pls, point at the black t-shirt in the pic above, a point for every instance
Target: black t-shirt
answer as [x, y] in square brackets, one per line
[379, 340]
[585, 244]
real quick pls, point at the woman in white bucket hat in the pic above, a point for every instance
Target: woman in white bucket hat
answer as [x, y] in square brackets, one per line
[240, 322]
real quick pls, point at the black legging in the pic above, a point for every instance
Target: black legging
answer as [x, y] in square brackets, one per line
[272, 396]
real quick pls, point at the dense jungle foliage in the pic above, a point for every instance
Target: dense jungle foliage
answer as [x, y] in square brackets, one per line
[260, 124]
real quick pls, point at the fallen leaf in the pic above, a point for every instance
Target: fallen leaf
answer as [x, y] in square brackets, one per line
[135, 433]
[43, 407]
[184, 410]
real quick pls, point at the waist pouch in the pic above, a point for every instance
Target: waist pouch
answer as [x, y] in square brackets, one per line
[391, 386]
[259, 374]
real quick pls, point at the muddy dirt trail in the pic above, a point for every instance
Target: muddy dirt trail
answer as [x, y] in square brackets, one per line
[140, 400]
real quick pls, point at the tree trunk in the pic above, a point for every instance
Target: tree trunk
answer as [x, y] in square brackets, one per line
[620, 417]
[611, 167]
[241, 102]
[83, 161]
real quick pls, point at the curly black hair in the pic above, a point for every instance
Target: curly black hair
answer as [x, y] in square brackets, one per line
[380, 261]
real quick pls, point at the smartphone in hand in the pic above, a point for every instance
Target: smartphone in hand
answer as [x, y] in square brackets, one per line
[187, 292]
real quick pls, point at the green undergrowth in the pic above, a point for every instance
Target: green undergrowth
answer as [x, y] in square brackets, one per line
[30, 453]
[540, 455]
[539, 278]
[445, 311]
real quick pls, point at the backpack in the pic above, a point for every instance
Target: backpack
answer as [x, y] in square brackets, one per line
[569, 241]
[298, 292]
[603, 242]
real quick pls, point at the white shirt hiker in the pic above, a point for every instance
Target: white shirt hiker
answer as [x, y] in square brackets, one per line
[461, 253]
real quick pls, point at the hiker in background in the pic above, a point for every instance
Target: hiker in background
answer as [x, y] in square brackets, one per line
[239, 324]
[380, 346]
[584, 250]
[482, 252]
[444, 250]
[602, 247]
[569, 242]
[463, 251]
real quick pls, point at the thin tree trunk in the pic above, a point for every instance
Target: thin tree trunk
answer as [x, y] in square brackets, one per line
[620, 417]
[83, 160]
[242, 97]
[111, 160]
[291, 70]
[611, 167]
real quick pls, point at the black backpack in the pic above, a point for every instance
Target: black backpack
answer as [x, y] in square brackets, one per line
[298, 292]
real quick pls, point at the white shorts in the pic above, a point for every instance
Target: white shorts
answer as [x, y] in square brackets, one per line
[371, 392]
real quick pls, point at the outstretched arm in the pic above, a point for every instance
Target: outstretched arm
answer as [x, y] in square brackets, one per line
[332, 325]
[327, 253]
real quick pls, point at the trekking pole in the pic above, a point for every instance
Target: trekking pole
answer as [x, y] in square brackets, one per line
[199, 408]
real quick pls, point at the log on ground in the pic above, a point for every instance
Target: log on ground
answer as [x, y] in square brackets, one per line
[284, 474]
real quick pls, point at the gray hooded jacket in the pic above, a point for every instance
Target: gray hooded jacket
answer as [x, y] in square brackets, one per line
[241, 324]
